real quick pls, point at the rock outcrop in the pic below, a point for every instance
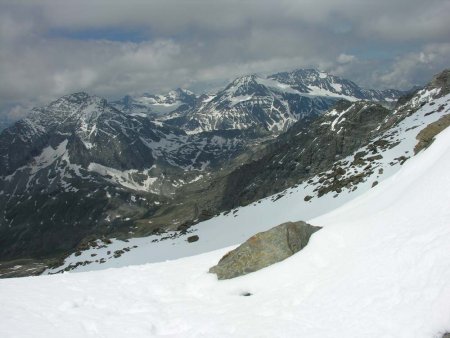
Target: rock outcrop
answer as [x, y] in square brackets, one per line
[264, 249]
[427, 135]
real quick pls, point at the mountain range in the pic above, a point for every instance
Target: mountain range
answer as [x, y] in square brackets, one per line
[273, 103]
[82, 168]
[356, 147]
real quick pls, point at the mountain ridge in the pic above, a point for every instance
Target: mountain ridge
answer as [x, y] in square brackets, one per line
[274, 102]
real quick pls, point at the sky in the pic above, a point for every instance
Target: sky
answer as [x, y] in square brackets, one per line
[110, 48]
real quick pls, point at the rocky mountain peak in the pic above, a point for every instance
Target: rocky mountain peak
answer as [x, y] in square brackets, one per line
[244, 79]
[242, 85]
[69, 110]
[80, 99]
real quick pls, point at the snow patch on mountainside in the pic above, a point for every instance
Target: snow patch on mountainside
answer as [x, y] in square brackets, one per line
[48, 156]
[132, 179]
[317, 91]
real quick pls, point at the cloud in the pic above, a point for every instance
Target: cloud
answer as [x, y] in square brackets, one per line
[110, 47]
[345, 58]
[415, 68]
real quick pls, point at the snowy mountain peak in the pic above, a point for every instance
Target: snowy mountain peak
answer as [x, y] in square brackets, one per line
[315, 82]
[244, 80]
[242, 85]
[81, 99]
[70, 109]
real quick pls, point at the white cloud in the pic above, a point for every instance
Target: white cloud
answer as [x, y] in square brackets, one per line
[345, 58]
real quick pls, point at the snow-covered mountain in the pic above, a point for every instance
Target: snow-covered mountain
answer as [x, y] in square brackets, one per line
[315, 82]
[273, 103]
[154, 105]
[379, 267]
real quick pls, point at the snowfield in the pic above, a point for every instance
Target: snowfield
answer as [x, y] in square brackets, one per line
[380, 267]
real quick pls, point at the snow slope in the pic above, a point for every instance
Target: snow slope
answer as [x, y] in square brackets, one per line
[379, 268]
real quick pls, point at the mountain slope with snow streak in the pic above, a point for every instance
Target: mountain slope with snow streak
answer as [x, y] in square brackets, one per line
[379, 268]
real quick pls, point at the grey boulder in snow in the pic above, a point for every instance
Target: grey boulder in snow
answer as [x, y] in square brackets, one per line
[264, 249]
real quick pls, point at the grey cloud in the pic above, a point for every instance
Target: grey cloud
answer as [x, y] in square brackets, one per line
[190, 43]
[415, 68]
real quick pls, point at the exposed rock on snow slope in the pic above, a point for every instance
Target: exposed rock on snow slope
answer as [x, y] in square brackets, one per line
[379, 268]
[349, 177]
[264, 249]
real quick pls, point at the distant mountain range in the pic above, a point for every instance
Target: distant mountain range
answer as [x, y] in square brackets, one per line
[273, 103]
[318, 165]
[83, 167]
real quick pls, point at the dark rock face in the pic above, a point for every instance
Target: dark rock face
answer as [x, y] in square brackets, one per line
[192, 239]
[264, 249]
[427, 135]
